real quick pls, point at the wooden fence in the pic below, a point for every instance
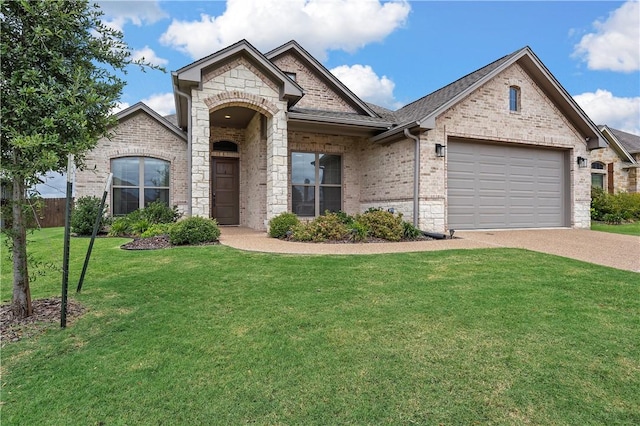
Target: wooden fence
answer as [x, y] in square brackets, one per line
[51, 214]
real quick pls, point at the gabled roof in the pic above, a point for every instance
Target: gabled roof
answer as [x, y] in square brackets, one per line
[331, 80]
[625, 144]
[423, 112]
[191, 75]
[142, 107]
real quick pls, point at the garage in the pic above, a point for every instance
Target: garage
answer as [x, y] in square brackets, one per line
[500, 186]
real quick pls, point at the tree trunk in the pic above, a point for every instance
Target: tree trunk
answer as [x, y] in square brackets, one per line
[21, 303]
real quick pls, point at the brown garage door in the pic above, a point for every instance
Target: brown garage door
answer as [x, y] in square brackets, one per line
[494, 186]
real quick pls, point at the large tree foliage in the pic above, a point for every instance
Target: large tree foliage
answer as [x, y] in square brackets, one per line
[59, 83]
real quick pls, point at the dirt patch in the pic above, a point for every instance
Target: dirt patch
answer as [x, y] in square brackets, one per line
[46, 312]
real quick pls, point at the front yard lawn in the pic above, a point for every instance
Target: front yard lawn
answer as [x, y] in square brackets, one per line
[212, 335]
[625, 228]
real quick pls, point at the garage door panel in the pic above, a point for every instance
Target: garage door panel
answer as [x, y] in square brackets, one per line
[504, 186]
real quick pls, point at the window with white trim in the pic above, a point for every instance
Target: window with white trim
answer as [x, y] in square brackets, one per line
[316, 183]
[137, 182]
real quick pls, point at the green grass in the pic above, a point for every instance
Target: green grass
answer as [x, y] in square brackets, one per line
[212, 335]
[626, 228]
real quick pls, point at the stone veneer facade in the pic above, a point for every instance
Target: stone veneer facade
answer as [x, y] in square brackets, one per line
[624, 179]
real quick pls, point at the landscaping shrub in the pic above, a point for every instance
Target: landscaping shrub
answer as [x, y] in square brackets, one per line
[139, 221]
[159, 212]
[382, 224]
[614, 208]
[84, 214]
[410, 232]
[328, 227]
[281, 224]
[358, 231]
[194, 230]
[157, 229]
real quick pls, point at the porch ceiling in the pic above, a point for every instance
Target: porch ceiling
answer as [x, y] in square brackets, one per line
[235, 117]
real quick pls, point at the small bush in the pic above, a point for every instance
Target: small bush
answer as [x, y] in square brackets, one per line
[614, 208]
[83, 216]
[382, 224]
[159, 212]
[139, 221]
[328, 227]
[157, 229]
[358, 232]
[410, 232]
[194, 230]
[281, 224]
[119, 228]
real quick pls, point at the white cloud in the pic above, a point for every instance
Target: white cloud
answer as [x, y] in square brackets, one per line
[118, 13]
[364, 82]
[120, 106]
[319, 25]
[615, 45]
[162, 103]
[604, 108]
[148, 55]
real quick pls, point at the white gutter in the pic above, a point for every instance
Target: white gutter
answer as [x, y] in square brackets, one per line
[189, 148]
[416, 177]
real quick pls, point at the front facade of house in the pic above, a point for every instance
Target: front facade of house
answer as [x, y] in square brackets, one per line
[256, 135]
[616, 168]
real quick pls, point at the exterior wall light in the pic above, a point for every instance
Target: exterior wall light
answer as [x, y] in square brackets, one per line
[440, 150]
[582, 162]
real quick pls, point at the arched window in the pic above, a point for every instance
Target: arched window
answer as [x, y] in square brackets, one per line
[225, 146]
[137, 182]
[514, 98]
[598, 174]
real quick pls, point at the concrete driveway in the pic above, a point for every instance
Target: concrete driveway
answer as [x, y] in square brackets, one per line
[617, 251]
[602, 248]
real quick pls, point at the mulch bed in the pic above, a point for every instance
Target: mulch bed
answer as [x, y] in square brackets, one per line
[155, 243]
[46, 312]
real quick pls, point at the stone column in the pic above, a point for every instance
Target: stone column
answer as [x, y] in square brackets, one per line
[277, 165]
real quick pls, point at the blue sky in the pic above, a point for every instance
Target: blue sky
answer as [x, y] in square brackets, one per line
[391, 53]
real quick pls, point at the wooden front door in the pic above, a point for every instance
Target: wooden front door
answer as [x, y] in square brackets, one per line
[225, 199]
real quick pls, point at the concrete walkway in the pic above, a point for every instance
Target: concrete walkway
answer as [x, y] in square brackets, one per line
[617, 251]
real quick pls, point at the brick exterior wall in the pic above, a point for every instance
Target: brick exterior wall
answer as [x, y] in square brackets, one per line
[345, 146]
[484, 116]
[138, 135]
[318, 95]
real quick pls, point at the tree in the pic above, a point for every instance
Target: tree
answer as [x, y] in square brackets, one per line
[59, 84]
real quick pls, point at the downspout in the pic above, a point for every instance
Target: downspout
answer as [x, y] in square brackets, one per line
[189, 148]
[416, 177]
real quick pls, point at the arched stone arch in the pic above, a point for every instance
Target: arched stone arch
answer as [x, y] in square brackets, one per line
[241, 99]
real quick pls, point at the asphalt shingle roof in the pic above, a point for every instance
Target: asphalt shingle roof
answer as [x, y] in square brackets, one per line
[630, 142]
[431, 102]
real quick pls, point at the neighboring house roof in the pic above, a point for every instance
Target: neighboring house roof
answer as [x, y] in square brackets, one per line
[331, 80]
[630, 141]
[142, 107]
[423, 112]
[623, 143]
